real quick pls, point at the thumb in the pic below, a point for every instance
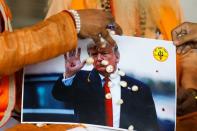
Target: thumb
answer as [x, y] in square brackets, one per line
[82, 64]
[105, 34]
[96, 38]
[118, 29]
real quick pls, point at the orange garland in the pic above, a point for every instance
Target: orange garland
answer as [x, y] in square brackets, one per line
[4, 95]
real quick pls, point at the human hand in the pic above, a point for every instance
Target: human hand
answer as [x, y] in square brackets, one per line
[186, 101]
[73, 63]
[94, 23]
[185, 37]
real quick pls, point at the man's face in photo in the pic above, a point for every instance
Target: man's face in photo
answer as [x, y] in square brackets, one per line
[108, 54]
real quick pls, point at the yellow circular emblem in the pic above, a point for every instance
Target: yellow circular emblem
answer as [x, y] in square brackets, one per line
[160, 54]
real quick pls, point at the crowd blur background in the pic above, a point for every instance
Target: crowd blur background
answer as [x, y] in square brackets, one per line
[28, 12]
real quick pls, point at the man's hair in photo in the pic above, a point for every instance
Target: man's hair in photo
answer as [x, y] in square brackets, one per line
[95, 46]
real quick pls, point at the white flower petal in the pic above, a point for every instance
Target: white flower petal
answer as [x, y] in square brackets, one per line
[129, 88]
[40, 124]
[130, 128]
[135, 88]
[102, 39]
[110, 84]
[104, 62]
[89, 61]
[119, 102]
[112, 32]
[103, 45]
[109, 68]
[121, 73]
[195, 97]
[108, 96]
[123, 83]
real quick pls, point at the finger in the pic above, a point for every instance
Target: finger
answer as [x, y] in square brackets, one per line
[78, 54]
[176, 31]
[186, 49]
[114, 27]
[179, 97]
[118, 29]
[111, 21]
[193, 45]
[188, 103]
[105, 34]
[179, 110]
[186, 38]
[179, 49]
[67, 65]
[182, 94]
[72, 53]
[66, 56]
[79, 67]
[96, 38]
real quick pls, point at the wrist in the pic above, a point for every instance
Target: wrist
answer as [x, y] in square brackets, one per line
[76, 17]
[67, 75]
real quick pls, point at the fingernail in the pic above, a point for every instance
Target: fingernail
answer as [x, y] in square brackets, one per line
[176, 42]
[183, 52]
[178, 51]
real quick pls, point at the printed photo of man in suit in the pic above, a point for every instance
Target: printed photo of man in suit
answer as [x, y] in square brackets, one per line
[105, 95]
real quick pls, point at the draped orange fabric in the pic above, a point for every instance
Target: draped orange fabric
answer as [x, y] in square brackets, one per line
[4, 80]
[167, 15]
[84, 4]
[78, 4]
[161, 14]
[39, 37]
[4, 95]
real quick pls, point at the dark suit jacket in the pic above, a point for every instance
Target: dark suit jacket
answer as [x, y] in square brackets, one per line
[88, 98]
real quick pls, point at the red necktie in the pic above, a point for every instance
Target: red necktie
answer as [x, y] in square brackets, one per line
[108, 104]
